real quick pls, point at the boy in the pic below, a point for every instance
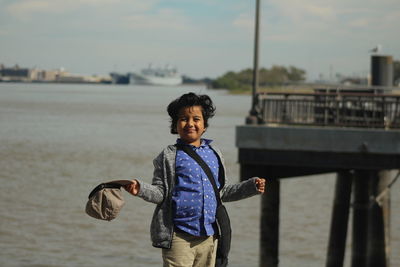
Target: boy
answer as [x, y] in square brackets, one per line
[183, 223]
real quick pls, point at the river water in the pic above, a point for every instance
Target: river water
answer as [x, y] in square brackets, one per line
[59, 141]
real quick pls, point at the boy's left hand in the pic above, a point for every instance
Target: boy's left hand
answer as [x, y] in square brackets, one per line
[260, 184]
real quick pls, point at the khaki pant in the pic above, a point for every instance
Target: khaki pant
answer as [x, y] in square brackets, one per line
[190, 251]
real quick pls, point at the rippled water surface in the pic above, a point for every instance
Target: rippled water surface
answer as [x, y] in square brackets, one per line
[59, 141]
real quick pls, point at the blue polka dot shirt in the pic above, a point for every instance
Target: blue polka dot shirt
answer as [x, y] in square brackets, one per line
[193, 197]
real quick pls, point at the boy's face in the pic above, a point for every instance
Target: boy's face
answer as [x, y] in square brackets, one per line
[190, 125]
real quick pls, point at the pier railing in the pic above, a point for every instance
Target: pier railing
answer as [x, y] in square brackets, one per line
[366, 109]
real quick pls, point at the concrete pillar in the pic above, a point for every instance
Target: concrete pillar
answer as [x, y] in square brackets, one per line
[340, 217]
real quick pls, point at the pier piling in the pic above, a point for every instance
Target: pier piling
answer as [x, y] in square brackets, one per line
[340, 217]
[379, 217]
[269, 236]
[360, 218]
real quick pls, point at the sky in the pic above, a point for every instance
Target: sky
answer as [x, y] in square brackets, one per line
[202, 38]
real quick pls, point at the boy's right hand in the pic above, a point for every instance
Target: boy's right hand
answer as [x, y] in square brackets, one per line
[133, 188]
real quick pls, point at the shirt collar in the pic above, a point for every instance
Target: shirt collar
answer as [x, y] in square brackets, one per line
[204, 142]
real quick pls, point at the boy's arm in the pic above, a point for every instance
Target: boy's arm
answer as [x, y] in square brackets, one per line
[153, 192]
[245, 189]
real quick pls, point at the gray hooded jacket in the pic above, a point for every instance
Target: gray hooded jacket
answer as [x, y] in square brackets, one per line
[160, 193]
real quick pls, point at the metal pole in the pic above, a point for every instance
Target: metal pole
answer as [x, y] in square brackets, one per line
[253, 112]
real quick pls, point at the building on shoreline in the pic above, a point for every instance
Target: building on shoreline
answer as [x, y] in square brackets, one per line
[18, 74]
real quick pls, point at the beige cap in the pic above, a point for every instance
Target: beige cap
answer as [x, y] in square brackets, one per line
[106, 200]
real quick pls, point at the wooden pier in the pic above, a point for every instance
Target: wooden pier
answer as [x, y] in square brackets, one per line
[353, 132]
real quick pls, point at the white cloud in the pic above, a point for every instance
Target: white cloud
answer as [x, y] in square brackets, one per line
[297, 10]
[359, 23]
[323, 20]
[391, 19]
[244, 21]
[164, 19]
[320, 12]
[24, 9]
[279, 37]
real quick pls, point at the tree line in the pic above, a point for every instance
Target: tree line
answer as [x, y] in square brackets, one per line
[276, 75]
[242, 80]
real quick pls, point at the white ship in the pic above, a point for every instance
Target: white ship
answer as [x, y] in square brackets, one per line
[156, 76]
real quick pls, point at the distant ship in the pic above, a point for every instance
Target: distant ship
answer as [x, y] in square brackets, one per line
[156, 76]
[119, 78]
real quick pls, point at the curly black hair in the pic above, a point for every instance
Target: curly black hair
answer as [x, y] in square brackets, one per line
[190, 100]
